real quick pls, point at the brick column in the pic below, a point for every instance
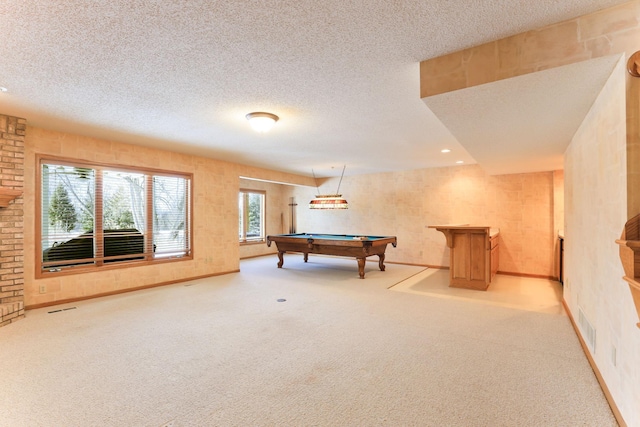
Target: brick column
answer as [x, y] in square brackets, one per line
[12, 131]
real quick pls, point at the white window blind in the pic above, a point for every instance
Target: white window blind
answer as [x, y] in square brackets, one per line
[170, 216]
[68, 211]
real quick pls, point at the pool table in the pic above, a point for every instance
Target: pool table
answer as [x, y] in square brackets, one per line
[347, 245]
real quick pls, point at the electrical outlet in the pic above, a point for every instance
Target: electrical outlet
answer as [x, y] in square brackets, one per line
[43, 289]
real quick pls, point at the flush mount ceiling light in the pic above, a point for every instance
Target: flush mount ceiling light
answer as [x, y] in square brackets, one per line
[329, 201]
[3, 89]
[262, 122]
[445, 150]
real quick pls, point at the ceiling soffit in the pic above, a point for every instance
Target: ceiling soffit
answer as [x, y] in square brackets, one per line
[525, 123]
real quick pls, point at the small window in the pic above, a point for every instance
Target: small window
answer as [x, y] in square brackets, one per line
[94, 216]
[251, 215]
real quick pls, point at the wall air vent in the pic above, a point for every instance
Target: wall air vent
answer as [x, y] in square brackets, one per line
[588, 331]
[61, 309]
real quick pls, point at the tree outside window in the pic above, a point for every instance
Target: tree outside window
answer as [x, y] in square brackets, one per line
[62, 213]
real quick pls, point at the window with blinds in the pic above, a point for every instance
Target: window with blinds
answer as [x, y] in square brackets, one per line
[170, 219]
[251, 215]
[92, 216]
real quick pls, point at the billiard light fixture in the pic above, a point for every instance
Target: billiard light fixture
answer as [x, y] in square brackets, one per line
[262, 122]
[329, 201]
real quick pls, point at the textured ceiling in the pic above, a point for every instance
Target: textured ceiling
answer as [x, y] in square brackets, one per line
[342, 75]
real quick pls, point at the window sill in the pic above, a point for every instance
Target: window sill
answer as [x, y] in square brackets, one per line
[119, 266]
[252, 242]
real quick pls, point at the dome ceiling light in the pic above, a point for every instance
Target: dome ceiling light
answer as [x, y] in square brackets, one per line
[262, 122]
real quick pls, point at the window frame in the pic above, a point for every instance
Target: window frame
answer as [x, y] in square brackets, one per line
[263, 226]
[148, 258]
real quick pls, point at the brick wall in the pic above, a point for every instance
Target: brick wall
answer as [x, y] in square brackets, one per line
[12, 131]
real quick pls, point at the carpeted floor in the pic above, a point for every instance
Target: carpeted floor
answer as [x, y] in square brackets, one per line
[338, 351]
[521, 293]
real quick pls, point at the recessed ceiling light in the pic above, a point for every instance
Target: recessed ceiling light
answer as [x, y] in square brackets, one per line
[3, 89]
[460, 162]
[446, 150]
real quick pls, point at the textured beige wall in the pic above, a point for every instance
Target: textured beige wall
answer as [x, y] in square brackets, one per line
[215, 221]
[403, 204]
[596, 211]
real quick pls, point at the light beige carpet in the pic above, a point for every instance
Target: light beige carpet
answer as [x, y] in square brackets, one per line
[521, 293]
[340, 351]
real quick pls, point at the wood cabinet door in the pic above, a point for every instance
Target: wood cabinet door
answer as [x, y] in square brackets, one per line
[469, 262]
[460, 263]
[478, 250]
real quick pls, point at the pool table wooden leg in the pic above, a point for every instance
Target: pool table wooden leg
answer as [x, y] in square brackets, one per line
[306, 256]
[361, 263]
[381, 262]
[280, 259]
